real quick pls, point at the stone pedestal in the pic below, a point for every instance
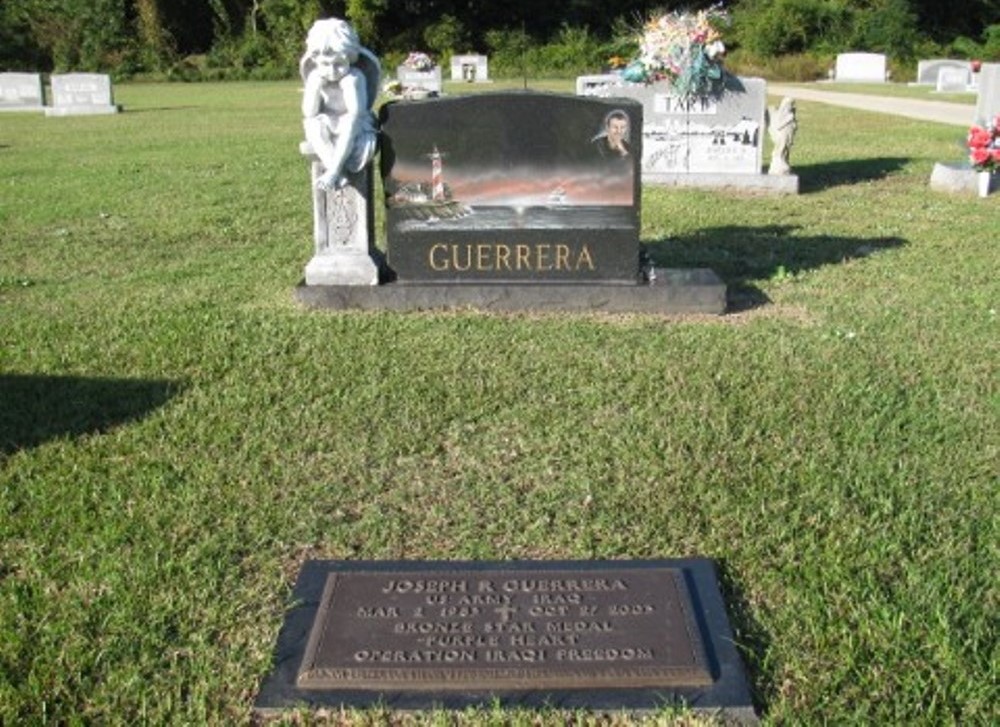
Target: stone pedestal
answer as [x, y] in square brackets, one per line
[343, 225]
[958, 177]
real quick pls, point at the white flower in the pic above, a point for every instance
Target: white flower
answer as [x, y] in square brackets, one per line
[715, 50]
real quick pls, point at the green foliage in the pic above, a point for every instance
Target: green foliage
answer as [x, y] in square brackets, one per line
[991, 43]
[796, 67]
[987, 50]
[446, 36]
[572, 52]
[364, 16]
[264, 37]
[770, 28]
[886, 26]
[508, 52]
[76, 35]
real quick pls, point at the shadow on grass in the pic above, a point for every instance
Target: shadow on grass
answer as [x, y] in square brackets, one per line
[157, 109]
[752, 639]
[39, 408]
[741, 255]
[817, 177]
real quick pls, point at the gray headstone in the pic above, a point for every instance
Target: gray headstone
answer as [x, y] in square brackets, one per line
[470, 68]
[603, 85]
[717, 134]
[511, 187]
[21, 92]
[860, 67]
[81, 94]
[988, 104]
[929, 70]
[954, 80]
[429, 81]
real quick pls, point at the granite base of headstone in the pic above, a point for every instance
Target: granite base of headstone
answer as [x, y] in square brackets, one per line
[343, 222]
[672, 291]
[81, 94]
[624, 636]
[21, 92]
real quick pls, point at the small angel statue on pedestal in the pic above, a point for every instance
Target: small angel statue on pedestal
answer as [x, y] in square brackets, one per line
[341, 84]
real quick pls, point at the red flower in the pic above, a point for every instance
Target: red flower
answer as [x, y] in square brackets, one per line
[979, 137]
[980, 156]
[995, 153]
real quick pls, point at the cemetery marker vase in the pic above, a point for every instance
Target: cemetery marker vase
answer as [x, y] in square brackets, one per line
[983, 181]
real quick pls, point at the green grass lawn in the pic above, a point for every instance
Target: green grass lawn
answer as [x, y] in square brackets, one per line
[177, 435]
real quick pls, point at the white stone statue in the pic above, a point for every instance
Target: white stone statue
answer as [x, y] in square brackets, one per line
[782, 125]
[341, 84]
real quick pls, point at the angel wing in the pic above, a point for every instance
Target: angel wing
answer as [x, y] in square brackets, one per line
[370, 67]
[778, 120]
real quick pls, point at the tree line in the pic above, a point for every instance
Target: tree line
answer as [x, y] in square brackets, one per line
[193, 39]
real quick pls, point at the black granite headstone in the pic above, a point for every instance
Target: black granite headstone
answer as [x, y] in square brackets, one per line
[512, 187]
[622, 635]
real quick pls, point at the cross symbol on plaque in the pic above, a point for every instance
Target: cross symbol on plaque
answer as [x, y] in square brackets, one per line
[505, 612]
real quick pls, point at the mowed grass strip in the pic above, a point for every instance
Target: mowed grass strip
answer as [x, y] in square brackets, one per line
[177, 435]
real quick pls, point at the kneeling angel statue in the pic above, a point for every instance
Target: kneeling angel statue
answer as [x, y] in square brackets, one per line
[341, 84]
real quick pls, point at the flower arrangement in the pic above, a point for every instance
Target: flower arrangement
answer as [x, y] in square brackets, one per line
[418, 61]
[984, 146]
[685, 49]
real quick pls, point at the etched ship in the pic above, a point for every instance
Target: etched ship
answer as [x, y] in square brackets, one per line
[557, 197]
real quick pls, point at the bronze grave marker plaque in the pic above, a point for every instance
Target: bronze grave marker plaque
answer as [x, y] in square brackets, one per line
[468, 629]
[623, 635]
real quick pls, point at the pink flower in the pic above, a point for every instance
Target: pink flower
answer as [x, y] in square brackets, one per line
[978, 137]
[980, 156]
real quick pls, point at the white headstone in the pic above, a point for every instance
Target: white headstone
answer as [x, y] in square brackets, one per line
[602, 86]
[470, 68]
[954, 80]
[860, 67]
[81, 94]
[988, 104]
[21, 92]
[928, 71]
[706, 135]
[411, 79]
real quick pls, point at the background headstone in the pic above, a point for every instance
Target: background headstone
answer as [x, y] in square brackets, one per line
[928, 71]
[510, 187]
[470, 68]
[81, 94]
[988, 103]
[429, 81]
[604, 85]
[721, 133]
[954, 80]
[860, 67]
[21, 92]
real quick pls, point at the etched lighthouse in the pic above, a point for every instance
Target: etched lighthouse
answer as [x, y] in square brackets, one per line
[437, 176]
